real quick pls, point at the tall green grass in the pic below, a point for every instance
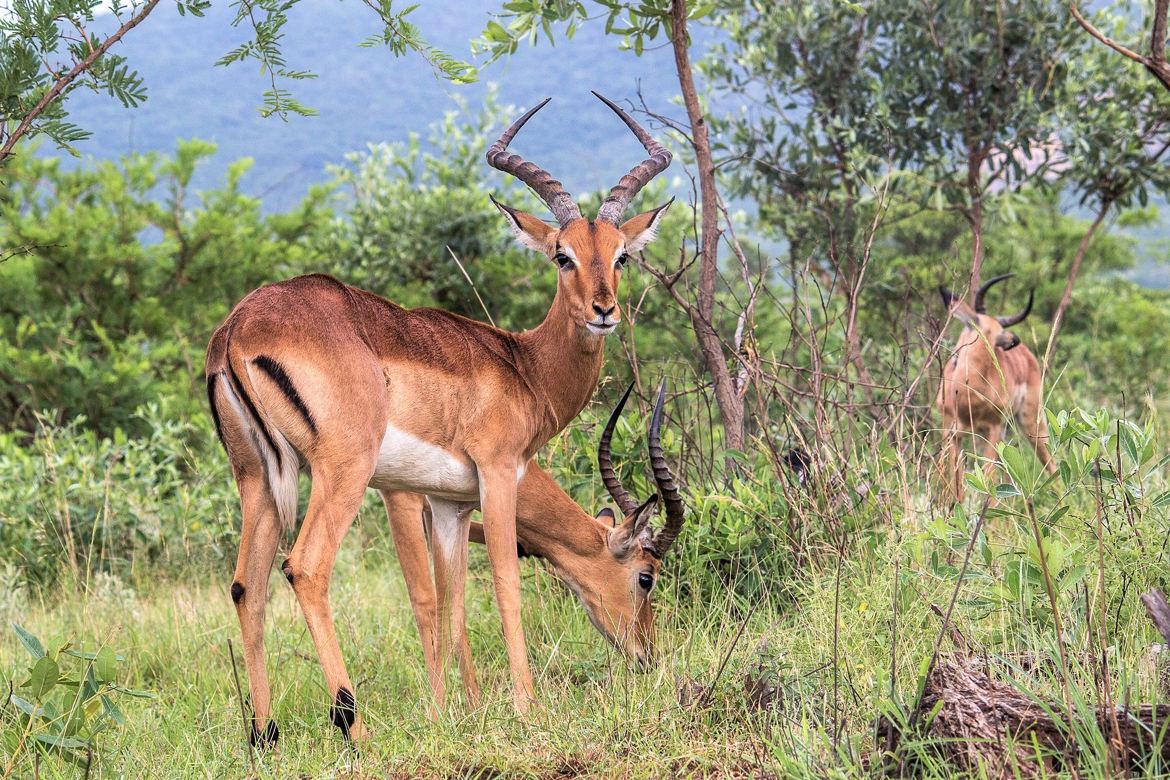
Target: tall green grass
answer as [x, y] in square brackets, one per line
[790, 618]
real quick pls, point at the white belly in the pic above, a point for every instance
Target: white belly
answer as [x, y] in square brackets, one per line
[406, 462]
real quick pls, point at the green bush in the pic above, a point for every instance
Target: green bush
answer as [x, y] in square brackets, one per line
[115, 277]
[74, 502]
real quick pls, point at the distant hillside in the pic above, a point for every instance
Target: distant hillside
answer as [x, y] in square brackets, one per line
[366, 95]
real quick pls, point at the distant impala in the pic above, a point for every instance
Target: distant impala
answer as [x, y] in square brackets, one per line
[312, 374]
[990, 379]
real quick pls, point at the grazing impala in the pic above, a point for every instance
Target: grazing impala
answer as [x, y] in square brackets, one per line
[611, 567]
[990, 378]
[311, 374]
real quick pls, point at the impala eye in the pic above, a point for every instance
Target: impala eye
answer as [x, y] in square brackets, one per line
[621, 261]
[646, 581]
[563, 260]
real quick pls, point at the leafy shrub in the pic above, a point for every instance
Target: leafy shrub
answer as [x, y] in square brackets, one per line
[67, 700]
[115, 276]
[74, 502]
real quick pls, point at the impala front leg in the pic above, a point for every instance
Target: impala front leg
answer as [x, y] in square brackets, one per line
[497, 496]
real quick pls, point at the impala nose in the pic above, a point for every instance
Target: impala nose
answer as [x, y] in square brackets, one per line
[604, 312]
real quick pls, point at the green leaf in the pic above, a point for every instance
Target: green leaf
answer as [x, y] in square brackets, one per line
[25, 706]
[65, 743]
[30, 642]
[43, 677]
[1007, 490]
[105, 665]
[112, 711]
[132, 692]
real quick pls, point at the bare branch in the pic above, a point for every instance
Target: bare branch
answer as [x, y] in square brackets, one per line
[1159, 611]
[1155, 63]
[1093, 31]
[1158, 35]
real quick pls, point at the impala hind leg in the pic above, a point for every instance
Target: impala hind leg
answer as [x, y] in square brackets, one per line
[449, 527]
[951, 464]
[333, 505]
[259, 536]
[990, 453]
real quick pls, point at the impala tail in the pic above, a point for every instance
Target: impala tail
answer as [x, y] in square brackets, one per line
[254, 445]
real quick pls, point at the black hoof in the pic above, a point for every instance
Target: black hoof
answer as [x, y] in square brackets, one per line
[267, 738]
[344, 711]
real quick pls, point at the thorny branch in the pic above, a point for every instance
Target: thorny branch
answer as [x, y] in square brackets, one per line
[63, 83]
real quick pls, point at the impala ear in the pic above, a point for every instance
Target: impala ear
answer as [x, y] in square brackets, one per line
[642, 229]
[530, 232]
[635, 530]
[607, 515]
[1007, 340]
[958, 308]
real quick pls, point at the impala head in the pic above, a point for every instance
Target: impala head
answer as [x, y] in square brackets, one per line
[976, 318]
[621, 582]
[590, 255]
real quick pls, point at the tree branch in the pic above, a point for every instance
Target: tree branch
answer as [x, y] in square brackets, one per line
[1156, 62]
[65, 81]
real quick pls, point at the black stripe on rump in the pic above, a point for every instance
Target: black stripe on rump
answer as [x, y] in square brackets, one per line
[277, 374]
[239, 388]
[215, 412]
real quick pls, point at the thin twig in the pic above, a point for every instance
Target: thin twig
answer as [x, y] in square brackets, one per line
[473, 288]
[706, 699]
[946, 623]
[243, 711]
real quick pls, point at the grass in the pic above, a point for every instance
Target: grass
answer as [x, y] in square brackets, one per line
[597, 716]
[784, 678]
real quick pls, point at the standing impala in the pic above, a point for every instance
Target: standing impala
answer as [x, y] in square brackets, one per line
[611, 567]
[990, 379]
[312, 374]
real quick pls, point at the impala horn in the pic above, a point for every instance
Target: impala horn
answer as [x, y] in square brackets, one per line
[980, 307]
[618, 200]
[561, 203]
[675, 513]
[1007, 322]
[608, 476]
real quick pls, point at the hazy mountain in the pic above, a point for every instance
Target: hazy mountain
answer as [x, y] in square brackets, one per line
[365, 95]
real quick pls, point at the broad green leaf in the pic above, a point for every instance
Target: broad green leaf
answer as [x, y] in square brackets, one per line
[65, 743]
[105, 665]
[30, 642]
[42, 678]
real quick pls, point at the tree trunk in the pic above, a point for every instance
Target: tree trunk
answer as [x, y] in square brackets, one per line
[1073, 271]
[731, 407]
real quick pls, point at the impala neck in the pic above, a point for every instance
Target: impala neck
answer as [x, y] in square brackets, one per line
[552, 526]
[565, 362]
